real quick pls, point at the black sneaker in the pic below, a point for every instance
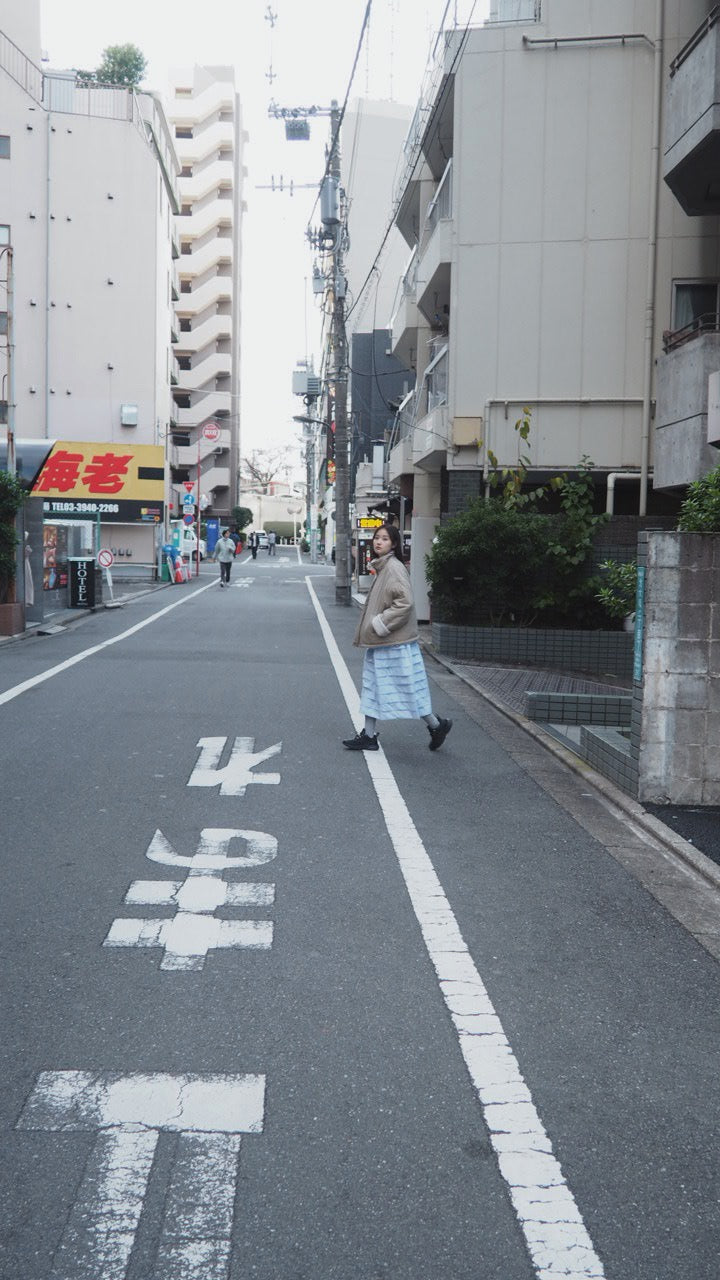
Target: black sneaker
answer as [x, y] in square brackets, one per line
[361, 742]
[438, 735]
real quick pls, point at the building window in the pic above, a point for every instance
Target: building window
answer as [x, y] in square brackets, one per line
[181, 131]
[4, 146]
[3, 323]
[695, 302]
[186, 171]
[4, 233]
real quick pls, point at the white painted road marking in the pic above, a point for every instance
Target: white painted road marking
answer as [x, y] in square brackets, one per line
[34, 681]
[194, 931]
[237, 774]
[244, 582]
[557, 1239]
[131, 1111]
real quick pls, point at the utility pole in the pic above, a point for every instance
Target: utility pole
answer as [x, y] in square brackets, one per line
[331, 185]
[331, 241]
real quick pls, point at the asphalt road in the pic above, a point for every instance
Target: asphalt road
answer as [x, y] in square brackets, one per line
[276, 1010]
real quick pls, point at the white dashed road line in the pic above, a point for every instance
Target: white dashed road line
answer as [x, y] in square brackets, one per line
[557, 1239]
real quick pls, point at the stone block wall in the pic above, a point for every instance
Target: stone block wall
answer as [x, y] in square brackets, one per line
[677, 732]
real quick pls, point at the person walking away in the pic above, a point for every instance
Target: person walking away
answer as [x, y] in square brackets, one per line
[394, 683]
[254, 544]
[225, 554]
[271, 543]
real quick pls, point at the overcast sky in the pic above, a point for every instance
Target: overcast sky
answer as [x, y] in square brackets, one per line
[310, 48]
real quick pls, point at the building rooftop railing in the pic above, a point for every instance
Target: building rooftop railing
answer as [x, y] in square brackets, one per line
[20, 68]
[708, 323]
[65, 92]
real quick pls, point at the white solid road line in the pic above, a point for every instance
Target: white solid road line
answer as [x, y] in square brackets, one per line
[554, 1231]
[34, 681]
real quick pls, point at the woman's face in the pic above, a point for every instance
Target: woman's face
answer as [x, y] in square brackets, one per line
[382, 542]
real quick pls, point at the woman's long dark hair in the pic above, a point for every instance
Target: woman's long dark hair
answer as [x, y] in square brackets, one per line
[395, 538]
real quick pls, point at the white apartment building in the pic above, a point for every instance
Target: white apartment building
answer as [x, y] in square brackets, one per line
[547, 254]
[206, 116]
[87, 201]
[372, 137]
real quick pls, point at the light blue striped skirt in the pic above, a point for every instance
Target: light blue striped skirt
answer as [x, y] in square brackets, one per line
[394, 683]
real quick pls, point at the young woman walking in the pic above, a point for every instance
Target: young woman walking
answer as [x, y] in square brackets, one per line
[394, 684]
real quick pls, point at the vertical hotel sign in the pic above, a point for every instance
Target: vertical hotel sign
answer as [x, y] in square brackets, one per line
[115, 483]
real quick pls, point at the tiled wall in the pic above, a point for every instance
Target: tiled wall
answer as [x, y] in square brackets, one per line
[596, 652]
[608, 751]
[579, 708]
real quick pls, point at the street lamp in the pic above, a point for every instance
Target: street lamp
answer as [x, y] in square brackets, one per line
[294, 511]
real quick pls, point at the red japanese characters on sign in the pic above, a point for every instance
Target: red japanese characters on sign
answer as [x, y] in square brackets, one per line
[63, 471]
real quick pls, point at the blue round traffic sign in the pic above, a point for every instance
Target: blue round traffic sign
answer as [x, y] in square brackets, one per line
[188, 519]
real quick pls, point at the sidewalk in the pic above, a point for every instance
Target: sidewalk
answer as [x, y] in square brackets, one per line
[698, 828]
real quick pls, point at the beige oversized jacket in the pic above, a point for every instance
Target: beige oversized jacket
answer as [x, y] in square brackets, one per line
[389, 613]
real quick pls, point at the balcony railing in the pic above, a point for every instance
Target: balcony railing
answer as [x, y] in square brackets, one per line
[441, 204]
[708, 323]
[405, 419]
[697, 38]
[409, 280]
[515, 11]
[436, 379]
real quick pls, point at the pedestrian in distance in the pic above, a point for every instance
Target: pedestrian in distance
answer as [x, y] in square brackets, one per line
[271, 543]
[394, 683]
[225, 554]
[254, 544]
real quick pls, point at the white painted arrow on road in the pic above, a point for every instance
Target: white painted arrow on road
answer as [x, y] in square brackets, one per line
[128, 1113]
[237, 774]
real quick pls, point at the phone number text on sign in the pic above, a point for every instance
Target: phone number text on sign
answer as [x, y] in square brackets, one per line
[80, 508]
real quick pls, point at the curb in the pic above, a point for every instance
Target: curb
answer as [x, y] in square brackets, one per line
[686, 852]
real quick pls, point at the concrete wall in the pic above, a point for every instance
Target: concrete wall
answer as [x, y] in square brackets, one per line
[682, 452]
[679, 733]
[20, 21]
